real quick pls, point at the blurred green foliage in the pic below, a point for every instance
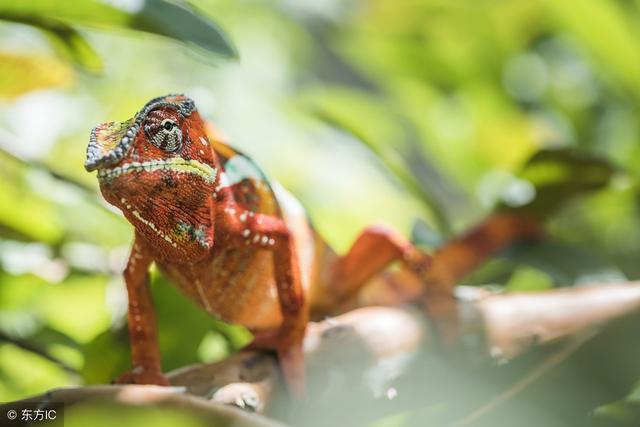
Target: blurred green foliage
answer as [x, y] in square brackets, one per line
[126, 416]
[59, 20]
[368, 111]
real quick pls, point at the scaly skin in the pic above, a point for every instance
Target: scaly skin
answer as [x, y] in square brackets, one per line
[237, 245]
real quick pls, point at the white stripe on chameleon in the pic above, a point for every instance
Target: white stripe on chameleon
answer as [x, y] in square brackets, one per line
[175, 164]
[148, 223]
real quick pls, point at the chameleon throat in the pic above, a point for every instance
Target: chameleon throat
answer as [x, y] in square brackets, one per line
[148, 223]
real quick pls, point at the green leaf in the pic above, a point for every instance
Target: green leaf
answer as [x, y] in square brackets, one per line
[529, 279]
[599, 25]
[560, 175]
[161, 17]
[36, 206]
[634, 396]
[561, 263]
[184, 23]
[374, 123]
[106, 356]
[23, 73]
[42, 373]
[76, 307]
[23, 211]
[91, 12]
[67, 40]
[72, 45]
[621, 412]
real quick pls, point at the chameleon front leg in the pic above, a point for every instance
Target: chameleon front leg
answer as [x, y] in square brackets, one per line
[268, 232]
[143, 331]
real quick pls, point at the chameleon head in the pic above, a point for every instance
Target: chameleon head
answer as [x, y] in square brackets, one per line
[160, 170]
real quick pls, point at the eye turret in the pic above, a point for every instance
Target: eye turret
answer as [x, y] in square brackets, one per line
[164, 134]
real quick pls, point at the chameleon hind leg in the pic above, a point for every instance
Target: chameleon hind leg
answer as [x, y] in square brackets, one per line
[371, 253]
[434, 277]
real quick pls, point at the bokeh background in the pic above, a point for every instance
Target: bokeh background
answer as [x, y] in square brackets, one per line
[421, 114]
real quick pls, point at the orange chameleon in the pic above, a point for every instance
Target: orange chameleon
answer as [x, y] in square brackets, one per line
[237, 244]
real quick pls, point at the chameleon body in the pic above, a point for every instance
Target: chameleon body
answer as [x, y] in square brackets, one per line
[236, 244]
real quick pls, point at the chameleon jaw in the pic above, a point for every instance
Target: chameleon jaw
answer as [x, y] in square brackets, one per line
[174, 164]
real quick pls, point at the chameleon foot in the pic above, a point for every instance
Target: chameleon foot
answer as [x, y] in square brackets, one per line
[140, 376]
[288, 347]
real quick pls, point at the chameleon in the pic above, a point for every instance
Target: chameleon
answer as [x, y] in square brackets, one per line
[236, 243]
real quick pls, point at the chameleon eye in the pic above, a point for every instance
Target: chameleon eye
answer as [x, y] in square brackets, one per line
[165, 135]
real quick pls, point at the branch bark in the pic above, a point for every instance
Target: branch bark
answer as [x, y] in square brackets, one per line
[151, 396]
[509, 323]
[360, 344]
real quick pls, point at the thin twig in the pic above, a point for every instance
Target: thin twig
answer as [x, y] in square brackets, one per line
[36, 349]
[46, 168]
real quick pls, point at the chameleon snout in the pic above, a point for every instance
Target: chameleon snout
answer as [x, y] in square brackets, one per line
[109, 143]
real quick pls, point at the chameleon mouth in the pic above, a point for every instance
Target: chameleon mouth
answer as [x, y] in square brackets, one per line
[175, 164]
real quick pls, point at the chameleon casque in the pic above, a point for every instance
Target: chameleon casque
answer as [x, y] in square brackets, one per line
[236, 244]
